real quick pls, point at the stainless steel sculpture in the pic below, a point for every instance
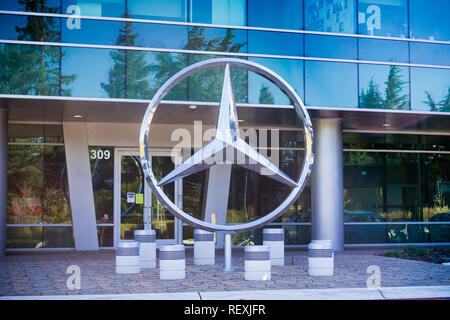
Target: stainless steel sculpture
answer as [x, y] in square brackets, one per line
[227, 147]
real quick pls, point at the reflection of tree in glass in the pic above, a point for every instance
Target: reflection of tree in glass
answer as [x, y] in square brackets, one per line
[131, 181]
[362, 158]
[102, 172]
[265, 96]
[35, 177]
[205, 85]
[393, 97]
[162, 219]
[437, 182]
[394, 86]
[442, 106]
[430, 102]
[372, 97]
[30, 69]
[127, 78]
[166, 66]
[194, 193]
[445, 102]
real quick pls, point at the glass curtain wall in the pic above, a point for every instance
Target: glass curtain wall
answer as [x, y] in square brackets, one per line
[136, 74]
[252, 195]
[38, 210]
[405, 193]
[417, 19]
[396, 190]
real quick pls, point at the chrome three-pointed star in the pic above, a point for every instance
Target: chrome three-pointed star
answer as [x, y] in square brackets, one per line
[227, 147]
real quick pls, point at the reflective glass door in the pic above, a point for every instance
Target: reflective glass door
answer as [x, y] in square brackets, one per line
[135, 205]
[132, 188]
[163, 221]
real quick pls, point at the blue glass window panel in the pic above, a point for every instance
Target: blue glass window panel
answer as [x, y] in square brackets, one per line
[330, 47]
[93, 32]
[156, 68]
[331, 84]
[99, 8]
[439, 233]
[50, 6]
[407, 233]
[206, 85]
[430, 53]
[383, 50]
[10, 23]
[364, 233]
[171, 10]
[283, 14]
[289, 70]
[217, 39]
[29, 69]
[429, 19]
[330, 15]
[267, 42]
[160, 36]
[38, 236]
[222, 12]
[11, 5]
[91, 68]
[383, 18]
[430, 89]
[373, 83]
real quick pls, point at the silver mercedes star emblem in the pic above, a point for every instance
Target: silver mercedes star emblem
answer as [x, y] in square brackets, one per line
[227, 147]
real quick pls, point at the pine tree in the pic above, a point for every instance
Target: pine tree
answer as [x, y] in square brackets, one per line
[394, 87]
[128, 76]
[115, 88]
[265, 97]
[205, 85]
[31, 69]
[167, 64]
[393, 99]
[430, 102]
[442, 106]
[445, 102]
[372, 97]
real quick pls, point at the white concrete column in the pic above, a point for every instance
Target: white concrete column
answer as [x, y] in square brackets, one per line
[80, 186]
[327, 221]
[3, 177]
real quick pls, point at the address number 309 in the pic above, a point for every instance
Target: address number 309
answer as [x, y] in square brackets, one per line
[100, 154]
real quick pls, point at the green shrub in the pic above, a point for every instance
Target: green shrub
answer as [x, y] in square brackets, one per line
[434, 255]
[392, 253]
[413, 251]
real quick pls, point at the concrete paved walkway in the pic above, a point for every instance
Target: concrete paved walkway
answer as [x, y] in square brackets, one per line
[45, 274]
[435, 292]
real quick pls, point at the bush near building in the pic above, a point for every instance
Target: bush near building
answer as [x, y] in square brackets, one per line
[433, 255]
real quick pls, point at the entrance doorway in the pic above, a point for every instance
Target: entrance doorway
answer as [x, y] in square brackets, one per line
[135, 207]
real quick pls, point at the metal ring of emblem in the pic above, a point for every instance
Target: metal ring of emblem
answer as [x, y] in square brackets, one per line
[272, 77]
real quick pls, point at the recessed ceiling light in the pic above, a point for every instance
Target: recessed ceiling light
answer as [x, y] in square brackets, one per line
[241, 120]
[192, 107]
[386, 125]
[77, 116]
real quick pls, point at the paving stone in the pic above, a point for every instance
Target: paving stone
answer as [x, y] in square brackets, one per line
[34, 274]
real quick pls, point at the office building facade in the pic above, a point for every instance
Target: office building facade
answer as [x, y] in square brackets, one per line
[77, 76]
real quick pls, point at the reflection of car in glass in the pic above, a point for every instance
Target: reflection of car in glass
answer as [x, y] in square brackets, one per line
[362, 216]
[364, 233]
[444, 216]
[440, 232]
